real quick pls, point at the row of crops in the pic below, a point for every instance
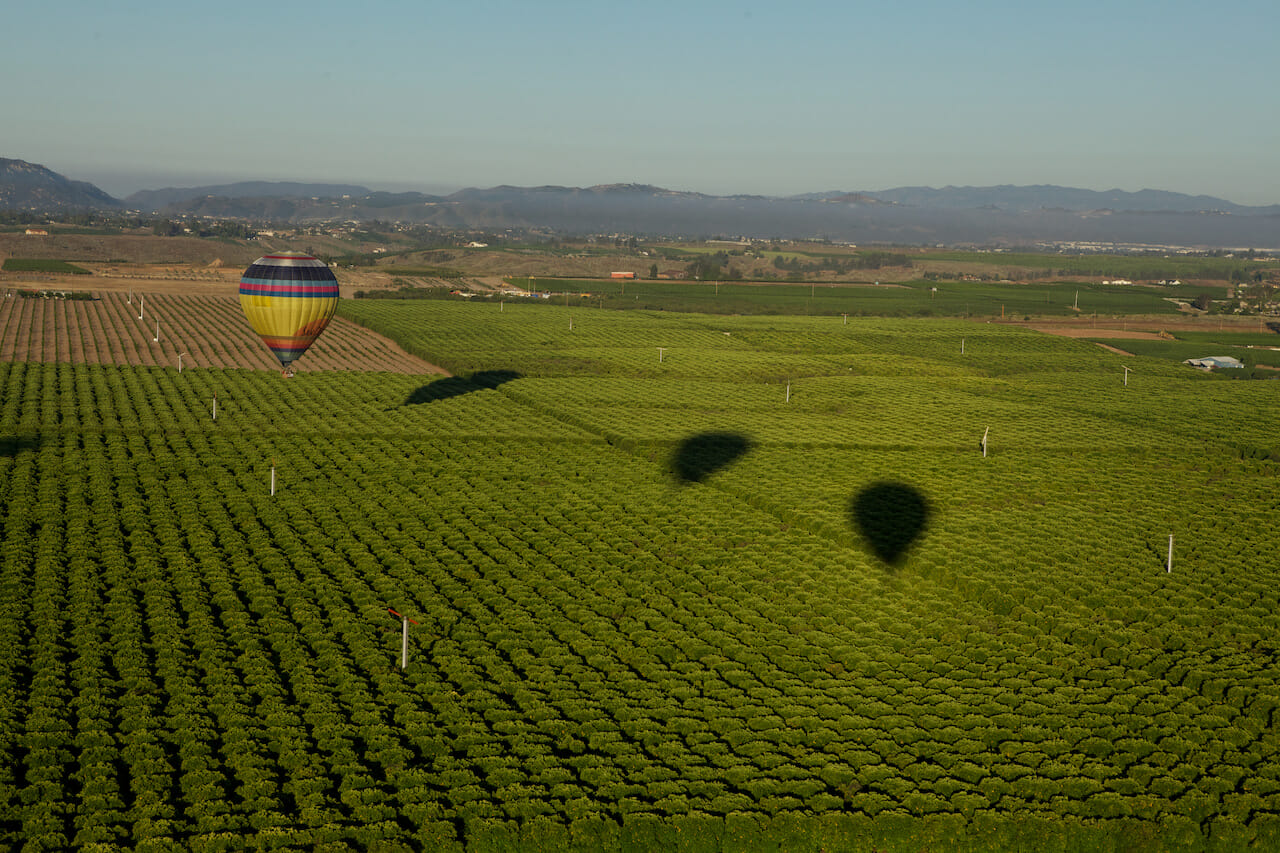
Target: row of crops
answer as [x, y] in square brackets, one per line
[916, 298]
[612, 651]
[162, 330]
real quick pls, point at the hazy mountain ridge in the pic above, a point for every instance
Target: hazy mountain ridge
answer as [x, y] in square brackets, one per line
[1047, 197]
[157, 199]
[1010, 215]
[28, 186]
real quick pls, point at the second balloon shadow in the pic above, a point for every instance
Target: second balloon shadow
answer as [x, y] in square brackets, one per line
[456, 386]
[700, 456]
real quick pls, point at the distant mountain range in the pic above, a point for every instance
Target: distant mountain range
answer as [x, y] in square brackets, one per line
[1008, 215]
[26, 186]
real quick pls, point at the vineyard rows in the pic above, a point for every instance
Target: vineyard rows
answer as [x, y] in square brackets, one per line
[210, 331]
[611, 654]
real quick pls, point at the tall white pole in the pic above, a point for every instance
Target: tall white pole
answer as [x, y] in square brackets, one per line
[962, 346]
[404, 635]
[846, 319]
[142, 305]
[157, 337]
[661, 350]
[215, 405]
[180, 355]
[984, 442]
[788, 392]
[1169, 565]
[273, 478]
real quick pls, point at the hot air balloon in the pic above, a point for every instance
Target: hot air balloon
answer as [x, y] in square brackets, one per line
[288, 298]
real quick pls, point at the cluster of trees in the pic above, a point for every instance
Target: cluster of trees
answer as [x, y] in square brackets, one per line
[713, 267]
[866, 260]
[219, 228]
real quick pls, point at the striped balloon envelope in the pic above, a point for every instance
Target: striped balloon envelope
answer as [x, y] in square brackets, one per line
[289, 298]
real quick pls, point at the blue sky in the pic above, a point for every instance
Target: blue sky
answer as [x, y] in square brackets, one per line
[718, 97]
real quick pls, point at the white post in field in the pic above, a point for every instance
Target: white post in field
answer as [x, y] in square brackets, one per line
[180, 355]
[962, 346]
[404, 636]
[661, 350]
[142, 305]
[1168, 566]
[788, 392]
[157, 337]
[1126, 375]
[273, 478]
[215, 405]
[846, 319]
[984, 442]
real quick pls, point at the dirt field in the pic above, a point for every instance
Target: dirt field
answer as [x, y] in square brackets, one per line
[213, 279]
[207, 329]
[1139, 328]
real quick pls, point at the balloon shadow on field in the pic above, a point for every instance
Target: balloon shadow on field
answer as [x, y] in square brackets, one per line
[700, 456]
[456, 386]
[12, 445]
[891, 517]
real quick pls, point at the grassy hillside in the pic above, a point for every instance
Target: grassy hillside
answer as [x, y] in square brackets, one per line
[759, 589]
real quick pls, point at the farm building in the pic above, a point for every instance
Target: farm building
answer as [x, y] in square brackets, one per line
[1214, 362]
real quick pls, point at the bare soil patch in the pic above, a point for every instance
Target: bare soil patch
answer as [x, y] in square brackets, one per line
[1123, 334]
[137, 248]
[1140, 328]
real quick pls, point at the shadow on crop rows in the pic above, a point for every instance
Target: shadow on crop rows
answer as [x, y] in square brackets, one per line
[456, 386]
[700, 456]
[12, 445]
[891, 517]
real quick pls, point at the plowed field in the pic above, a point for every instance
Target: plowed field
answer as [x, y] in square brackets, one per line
[208, 331]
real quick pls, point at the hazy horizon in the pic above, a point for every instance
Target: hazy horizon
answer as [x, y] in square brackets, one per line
[713, 97]
[122, 185]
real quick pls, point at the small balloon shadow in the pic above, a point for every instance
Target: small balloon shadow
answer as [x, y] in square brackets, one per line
[456, 386]
[891, 517]
[12, 445]
[700, 456]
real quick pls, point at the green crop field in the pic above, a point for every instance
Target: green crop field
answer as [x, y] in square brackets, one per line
[909, 299]
[679, 581]
[1254, 349]
[1146, 267]
[42, 265]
